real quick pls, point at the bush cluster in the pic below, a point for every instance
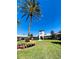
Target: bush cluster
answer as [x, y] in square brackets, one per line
[26, 45]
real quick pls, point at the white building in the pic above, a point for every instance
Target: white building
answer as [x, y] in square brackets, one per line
[41, 34]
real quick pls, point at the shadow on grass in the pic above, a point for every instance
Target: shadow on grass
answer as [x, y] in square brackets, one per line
[56, 43]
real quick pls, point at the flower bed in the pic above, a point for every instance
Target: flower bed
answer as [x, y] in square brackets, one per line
[26, 45]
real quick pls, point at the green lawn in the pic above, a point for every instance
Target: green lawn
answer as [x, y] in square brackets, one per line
[45, 49]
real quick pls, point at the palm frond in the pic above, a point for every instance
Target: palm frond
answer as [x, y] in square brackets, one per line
[23, 15]
[18, 22]
[29, 8]
[27, 17]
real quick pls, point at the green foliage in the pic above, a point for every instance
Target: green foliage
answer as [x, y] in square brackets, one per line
[25, 44]
[30, 35]
[52, 34]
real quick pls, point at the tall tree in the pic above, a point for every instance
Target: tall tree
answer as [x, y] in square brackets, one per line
[29, 9]
[52, 34]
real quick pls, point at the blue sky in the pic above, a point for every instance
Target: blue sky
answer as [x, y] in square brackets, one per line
[50, 19]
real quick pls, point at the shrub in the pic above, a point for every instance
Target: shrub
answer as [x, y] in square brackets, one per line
[26, 45]
[27, 40]
[31, 43]
[20, 46]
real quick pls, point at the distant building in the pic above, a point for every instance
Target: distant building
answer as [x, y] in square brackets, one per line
[24, 37]
[47, 36]
[21, 37]
[41, 34]
[58, 36]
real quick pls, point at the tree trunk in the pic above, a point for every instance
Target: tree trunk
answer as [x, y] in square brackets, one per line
[29, 27]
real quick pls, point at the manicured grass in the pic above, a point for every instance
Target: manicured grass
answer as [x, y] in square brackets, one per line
[45, 49]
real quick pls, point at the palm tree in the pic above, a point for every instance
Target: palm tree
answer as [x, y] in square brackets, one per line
[29, 9]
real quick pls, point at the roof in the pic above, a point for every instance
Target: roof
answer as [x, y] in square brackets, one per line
[21, 35]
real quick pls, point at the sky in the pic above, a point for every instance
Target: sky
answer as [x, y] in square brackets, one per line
[49, 20]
